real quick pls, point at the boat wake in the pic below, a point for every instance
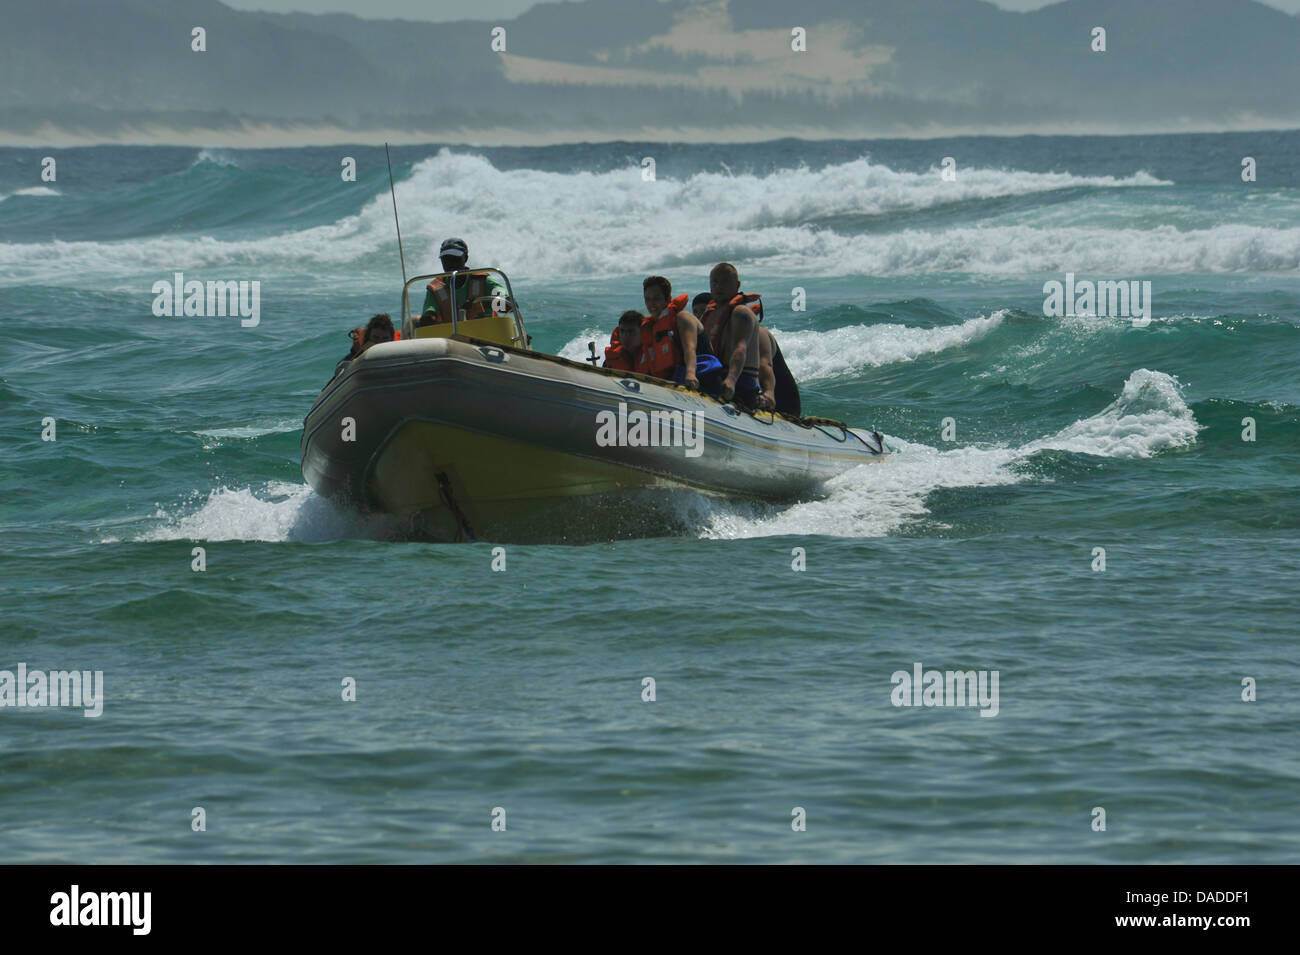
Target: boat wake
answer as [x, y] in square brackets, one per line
[1147, 418]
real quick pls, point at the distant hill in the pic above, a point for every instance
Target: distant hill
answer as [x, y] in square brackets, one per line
[637, 69]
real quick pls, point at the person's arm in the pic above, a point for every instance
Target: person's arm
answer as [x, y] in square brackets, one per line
[766, 374]
[688, 333]
[741, 325]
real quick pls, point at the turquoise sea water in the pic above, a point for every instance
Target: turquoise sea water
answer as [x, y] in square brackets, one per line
[973, 550]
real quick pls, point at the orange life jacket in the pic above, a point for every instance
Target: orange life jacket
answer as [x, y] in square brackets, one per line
[715, 324]
[475, 287]
[661, 352]
[616, 356]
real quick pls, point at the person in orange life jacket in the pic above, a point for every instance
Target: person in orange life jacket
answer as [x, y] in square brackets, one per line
[625, 344]
[378, 329]
[470, 287]
[670, 335]
[732, 328]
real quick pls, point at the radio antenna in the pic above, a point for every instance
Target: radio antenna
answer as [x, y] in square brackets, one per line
[392, 189]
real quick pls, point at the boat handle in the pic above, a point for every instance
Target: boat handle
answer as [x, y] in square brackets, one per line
[493, 354]
[630, 385]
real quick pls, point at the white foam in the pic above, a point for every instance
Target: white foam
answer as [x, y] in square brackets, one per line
[252, 430]
[873, 500]
[1085, 250]
[1148, 417]
[812, 355]
[575, 349]
[218, 157]
[278, 512]
[534, 223]
[32, 191]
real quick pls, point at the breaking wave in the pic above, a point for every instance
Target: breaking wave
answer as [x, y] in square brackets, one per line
[536, 223]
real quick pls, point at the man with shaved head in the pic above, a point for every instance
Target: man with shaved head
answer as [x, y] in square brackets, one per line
[733, 332]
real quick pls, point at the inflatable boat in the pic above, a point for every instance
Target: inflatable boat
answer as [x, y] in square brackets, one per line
[463, 428]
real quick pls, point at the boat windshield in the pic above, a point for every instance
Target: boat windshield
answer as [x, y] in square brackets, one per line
[475, 303]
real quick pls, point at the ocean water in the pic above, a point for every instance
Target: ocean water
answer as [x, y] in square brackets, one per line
[974, 547]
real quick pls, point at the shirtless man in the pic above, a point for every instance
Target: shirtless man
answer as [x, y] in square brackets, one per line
[732, 328]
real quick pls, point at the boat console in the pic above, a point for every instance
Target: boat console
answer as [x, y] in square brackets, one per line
[483, 313]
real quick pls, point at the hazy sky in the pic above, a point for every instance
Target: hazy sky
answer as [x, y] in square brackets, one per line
[505, 9]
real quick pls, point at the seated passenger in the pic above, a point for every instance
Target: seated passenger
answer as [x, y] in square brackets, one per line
[708, 368]
[732, 328]
[378, 329]
[625, 343]
[471, 287]
[673, 340]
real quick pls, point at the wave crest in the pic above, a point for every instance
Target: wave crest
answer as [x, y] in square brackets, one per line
[582, 223]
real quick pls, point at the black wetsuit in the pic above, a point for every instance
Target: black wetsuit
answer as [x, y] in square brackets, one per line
[787, 391]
